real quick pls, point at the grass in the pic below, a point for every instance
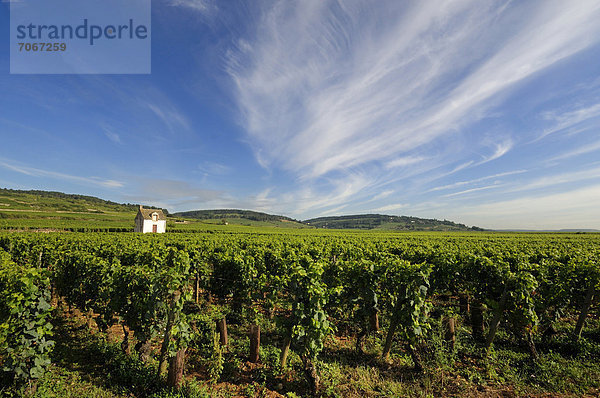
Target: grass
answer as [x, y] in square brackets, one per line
[87, 365]
[509, 371]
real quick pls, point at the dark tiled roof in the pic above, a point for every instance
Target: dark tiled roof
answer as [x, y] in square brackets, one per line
[147, 213]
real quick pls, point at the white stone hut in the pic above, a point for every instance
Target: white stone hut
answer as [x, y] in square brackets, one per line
[150, 220]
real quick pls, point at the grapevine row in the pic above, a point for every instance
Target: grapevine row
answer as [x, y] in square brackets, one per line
[315, 285]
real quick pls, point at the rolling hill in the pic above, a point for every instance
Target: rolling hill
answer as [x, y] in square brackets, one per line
[13, 199]
[47, 210]
[362, 221]
[381, 221]
[231, 213]
[36, 209]
[240, 217]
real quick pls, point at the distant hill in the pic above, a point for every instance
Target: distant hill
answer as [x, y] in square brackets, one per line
[228, 214]
[381, 221]
[48, 209]
[363, 221]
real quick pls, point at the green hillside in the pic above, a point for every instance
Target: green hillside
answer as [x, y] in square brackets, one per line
[44, 210]
[47, 210]
[380, 221]
[12, 199]
[240, 217]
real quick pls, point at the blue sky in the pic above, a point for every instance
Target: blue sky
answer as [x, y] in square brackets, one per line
[480, 112]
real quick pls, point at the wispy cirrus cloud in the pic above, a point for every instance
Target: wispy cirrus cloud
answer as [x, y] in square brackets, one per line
[214, 168]
[391, 207]
[582, 150]
[404, 161]
[309, 200]
[365, 84]
[554, 179]
[170, 116]
[35, 172]
[549, 182]
[576, 208]
[111, 135]
[197, 5]
[177, 195]
[568, 119]
[476, 180]
[500, 148]
[471, 190]
[383, 195]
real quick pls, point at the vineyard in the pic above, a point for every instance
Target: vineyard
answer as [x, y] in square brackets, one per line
[309, 313]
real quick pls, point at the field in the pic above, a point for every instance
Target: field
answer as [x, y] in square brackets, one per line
[303, 312]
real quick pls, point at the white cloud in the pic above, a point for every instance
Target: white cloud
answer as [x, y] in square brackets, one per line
[391, 207]
[500, 149]
[334, 211]
[569, 119]
[404, 161]
[463, 183]
[364, 84]
[203, 6]
[557, 179]
[114, 137]
[170, 116]
[307, 200]
[174, 194]
[31, 171]
[214, 168]
[573, 209]
[264, 194]
[382, 195]
[485, 188]
[578, 151]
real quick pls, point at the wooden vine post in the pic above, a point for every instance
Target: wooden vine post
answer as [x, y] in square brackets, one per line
[451, 332]
[222, 328]
[254, 343]
[477, 309]
[176, 367]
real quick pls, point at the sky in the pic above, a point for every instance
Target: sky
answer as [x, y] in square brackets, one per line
[485, 113]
